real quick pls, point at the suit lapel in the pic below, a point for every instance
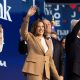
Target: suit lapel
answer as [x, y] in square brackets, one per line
[48, 44]
[54, 44]
[38, 43]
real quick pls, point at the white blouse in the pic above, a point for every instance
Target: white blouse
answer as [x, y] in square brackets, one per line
[43, 42]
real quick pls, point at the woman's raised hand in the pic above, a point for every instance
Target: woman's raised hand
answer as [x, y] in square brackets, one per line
[32, 11]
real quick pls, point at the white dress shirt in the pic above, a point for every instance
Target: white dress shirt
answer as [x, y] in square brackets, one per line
[43, 42]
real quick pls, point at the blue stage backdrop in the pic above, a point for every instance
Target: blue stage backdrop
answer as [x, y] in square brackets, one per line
[11, 17]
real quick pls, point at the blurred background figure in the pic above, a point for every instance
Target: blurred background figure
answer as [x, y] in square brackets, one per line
[1, 38]
[73, 23]
[54, 35]
[63, 40]
[23, 46]
[72, 47]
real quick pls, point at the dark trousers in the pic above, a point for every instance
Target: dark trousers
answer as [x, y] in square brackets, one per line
[75, 77]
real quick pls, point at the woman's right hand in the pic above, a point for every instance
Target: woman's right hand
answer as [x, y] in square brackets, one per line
[31, 11]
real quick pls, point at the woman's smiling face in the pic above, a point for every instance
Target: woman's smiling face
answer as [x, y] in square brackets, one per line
[40, 29]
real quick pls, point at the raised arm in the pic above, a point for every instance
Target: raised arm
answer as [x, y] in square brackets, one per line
[25, 24]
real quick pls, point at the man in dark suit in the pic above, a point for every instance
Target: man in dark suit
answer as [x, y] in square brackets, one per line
[58, 52]
[72, 47]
